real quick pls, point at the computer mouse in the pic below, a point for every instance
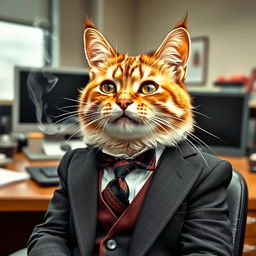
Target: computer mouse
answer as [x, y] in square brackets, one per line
[65, 147]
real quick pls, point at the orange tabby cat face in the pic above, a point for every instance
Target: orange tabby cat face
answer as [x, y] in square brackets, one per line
[138, 100]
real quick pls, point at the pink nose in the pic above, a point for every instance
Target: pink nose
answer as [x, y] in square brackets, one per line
[123, 103]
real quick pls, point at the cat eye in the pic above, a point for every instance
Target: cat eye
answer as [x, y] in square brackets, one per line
[108, 87]
[148, 87]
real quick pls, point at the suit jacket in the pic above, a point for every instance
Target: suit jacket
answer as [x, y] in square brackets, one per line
[184, 212]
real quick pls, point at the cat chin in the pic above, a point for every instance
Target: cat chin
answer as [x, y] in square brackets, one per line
[116, 142]
[128, 131]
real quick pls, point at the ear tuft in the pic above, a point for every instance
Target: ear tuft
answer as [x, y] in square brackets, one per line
[88, 24]
[97, 48]
[175, 50]
[183, 23]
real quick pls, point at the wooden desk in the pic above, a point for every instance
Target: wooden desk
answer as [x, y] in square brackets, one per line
[29, 196]
[241, 164]
[25, 195]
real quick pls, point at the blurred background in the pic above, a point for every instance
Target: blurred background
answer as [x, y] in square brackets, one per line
[41, 41]
[38, 33]
[135, 27]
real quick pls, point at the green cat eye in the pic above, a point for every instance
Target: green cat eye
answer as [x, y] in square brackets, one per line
[108, 87]
[148, 87]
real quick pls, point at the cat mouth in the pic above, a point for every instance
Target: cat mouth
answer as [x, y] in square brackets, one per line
[125, 120]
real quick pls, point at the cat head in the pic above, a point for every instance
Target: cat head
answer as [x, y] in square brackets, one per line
[136, 101]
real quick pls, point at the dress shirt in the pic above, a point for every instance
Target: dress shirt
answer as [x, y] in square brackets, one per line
[135, 179]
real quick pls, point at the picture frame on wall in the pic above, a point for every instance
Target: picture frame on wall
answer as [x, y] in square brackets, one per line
[198, 62]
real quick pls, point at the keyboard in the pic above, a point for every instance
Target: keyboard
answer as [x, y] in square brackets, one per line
[49, 171]
[44, 175]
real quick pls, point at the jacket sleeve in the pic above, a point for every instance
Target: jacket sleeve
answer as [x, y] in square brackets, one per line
[52, 237]
[207, 229]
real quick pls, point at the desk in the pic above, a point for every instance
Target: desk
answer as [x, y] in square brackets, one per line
[29, 196]
[25, 195]
[22, 206]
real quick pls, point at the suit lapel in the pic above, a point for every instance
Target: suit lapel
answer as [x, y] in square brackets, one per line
[83, 191]
[173, 180]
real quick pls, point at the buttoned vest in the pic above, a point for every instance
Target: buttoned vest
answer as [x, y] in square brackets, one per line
[114, 234]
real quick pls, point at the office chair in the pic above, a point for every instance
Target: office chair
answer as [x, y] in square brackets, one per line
[237, 199]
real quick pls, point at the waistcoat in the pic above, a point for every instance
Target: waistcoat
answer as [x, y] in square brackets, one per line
[114, 233]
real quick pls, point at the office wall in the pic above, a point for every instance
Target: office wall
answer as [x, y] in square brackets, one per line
[119, 24]
[71, 17]
[137, 26]
[14, 10]
[67, 38]
[230, 26]
[114, 18]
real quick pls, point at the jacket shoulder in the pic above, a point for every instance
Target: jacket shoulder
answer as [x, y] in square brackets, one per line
[215, 167]
[69, 157]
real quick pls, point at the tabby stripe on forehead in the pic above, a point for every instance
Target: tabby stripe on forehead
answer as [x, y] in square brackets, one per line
[135, 71]
[127, 65]
[141, 72]
[118, 70]
[127, 69]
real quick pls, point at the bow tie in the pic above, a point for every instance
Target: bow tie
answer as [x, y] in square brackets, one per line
[145, 161]
[117, 192]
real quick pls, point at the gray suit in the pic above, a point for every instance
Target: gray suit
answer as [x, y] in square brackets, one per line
[184, 212]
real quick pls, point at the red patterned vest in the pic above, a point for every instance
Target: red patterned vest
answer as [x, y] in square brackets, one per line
[109, 224]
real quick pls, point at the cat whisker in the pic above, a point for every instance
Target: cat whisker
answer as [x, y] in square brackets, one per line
[198, 127]
[198, 140]
[93, 121]
[69, 106]
[64, 119]
[191, 110]
[163, 121]
[102, 123]
[158, 123]
[200, 153]
[199, 113]
[188, 122]
[148, 124]
[103, 127]
[194, 146]
[70, 99]
[73, 113]
[73, 135]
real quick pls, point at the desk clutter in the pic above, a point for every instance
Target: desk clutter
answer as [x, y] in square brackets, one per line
[44, 175]
[8, 145]
[8, 176]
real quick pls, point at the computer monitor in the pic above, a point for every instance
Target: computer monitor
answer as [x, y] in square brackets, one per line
[223, 114]
[45, 97]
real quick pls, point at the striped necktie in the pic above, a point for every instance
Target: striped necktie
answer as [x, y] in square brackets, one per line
[116, 193]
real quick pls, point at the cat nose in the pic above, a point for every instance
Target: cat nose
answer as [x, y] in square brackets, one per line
[123, 103]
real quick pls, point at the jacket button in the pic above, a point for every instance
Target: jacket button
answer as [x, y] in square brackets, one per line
[111, 244]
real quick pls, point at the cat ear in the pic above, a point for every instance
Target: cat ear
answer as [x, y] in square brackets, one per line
[175, 51]
[97, 49]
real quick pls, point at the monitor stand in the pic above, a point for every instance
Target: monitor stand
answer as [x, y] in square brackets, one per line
[54, 149]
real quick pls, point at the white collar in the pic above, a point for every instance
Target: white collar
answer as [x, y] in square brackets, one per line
[158, 151]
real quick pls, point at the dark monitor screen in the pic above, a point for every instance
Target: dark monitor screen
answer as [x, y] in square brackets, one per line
[222, 120]
[47, 96]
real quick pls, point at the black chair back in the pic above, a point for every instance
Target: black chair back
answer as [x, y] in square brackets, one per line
[237, 198]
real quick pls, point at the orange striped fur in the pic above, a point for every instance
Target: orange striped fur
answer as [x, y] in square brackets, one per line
[135, 102]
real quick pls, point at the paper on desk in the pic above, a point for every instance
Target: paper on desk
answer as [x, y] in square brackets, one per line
[8, 176]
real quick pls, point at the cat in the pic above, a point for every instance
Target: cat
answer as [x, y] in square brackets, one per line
[135, 102]
[129, 105]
